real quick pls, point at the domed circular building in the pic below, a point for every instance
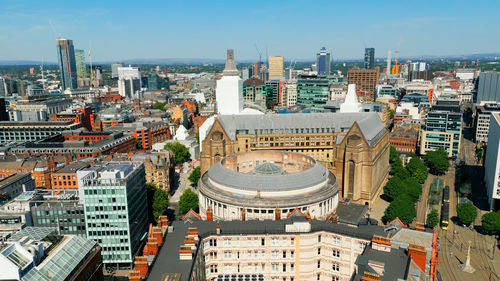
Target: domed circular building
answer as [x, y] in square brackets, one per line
[267, 185]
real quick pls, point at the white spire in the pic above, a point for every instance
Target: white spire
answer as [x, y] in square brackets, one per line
[230, 69]
[351, 103]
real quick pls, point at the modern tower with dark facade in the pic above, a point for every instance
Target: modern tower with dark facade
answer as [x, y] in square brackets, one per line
[323, 62]
[67, 63]
[369, 58]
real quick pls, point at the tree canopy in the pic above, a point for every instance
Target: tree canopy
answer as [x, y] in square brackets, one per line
[466, 213]
[404, 188]
[432, 218]
[491, 222]
[160, 105]
[157, 201]
[195, 175]
[437, 161]
[400, 208]
[180, 151]
[188, 200]
[417, 169]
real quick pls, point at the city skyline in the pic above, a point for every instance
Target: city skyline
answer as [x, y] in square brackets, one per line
[205, 30]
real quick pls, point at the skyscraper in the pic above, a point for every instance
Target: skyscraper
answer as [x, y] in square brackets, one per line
[369, 58]
[81, 66]
[67, 63]
[276, 67]
[323, 62]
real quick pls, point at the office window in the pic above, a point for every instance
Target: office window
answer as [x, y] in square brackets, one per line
[319, 251]
[319, 264]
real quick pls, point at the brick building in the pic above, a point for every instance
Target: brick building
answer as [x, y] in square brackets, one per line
[65, 178]
[366, 80]
[40, 167]
[404, 140]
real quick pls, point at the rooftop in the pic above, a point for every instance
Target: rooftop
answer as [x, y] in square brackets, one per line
[168, 258]
[72, 167]
[370, 123]
[13, 178]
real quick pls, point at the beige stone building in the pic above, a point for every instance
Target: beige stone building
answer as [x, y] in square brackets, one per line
[295, 249]
[159, 168]
[276, 67]
[354, 146]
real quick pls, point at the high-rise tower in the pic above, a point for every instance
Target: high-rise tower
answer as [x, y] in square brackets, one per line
[67, 63]
[323, 62]
[229, 90]
[81, 66]
[369, 58]
[276, 67]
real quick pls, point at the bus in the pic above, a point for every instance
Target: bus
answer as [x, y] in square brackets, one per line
[446, 194]
[445, 216]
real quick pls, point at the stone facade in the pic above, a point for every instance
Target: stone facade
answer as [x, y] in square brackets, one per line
[361, 168]
[160, 169]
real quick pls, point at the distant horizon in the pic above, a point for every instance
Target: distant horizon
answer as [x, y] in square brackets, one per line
[489, 55]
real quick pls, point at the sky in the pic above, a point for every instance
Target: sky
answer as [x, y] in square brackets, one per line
[119, 30]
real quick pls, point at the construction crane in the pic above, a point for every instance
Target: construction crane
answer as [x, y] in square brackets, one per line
[90, 60]
[259, 52]
[397, 65]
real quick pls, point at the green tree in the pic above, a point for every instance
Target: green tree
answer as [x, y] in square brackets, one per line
[466, 213]
[393, 187]
[412, 188]
[432, 218]
[393, 154]
[437, 161]
[402, 208]
[159, 105]
[400, 172]
[157, 201]
[391, 114]
[180, 151]
[491, 222]
[417, 169]
[188, 200]
[138, 143]
[195, 175]
[197, 135]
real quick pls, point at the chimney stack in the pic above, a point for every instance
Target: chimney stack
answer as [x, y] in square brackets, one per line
[218, 228]
[210, 214]
[243, 214]
[277, 214]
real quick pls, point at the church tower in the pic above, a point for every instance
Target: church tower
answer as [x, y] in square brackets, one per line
[229, 90]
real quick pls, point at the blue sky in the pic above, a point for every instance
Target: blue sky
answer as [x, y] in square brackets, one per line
[204, 29]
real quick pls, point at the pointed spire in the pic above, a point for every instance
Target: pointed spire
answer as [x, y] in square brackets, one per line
[230, 69]
[351, 103]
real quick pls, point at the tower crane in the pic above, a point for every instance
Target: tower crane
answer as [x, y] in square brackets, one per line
[259, 52]
[397, 65]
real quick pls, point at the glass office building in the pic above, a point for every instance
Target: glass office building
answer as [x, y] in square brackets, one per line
[81, 66]
[369, 58]
[67, 63]
[323, 62]
[443, 128]
[114, 196]
[313, 91]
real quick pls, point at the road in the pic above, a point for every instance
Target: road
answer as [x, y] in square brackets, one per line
[422, 203]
